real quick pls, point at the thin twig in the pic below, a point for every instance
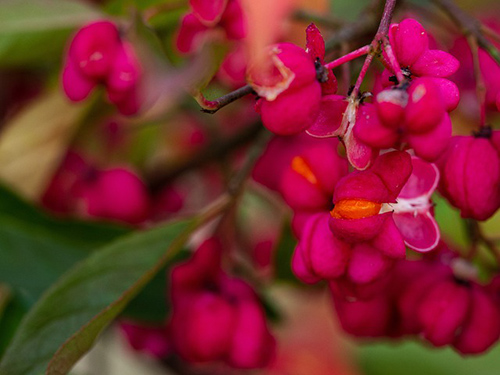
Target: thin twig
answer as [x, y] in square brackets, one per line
[216, 150]
[375, 45]
[469, 26]
[212, 106]
[348, 57]
[478, 76]
[319, 19]
[366, 24]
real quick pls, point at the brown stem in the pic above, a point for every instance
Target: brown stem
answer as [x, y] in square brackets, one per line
[488, 31]
[366, 24]
[469, 26]
[212, 106]
[480, 85]
[381, 34]
[317, 18]
[477, 237]
[216, 150]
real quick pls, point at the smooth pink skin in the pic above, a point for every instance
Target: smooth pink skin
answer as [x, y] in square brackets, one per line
[292, 111]
[367, 264]
[430, 145]
[209, 12]
[207, 326]
[329, 118]
[324, 255]
[153, 340]
[390, 106]
[470, 183]
[409, 41]
[327, 167]
[358, 230]
[435, 63]
[449, 92]
[419, 230]
[364, 318]
[125, 70]
[116, 194]
[394, 169]
[370, 130]
[390, 241]
[189, 34]
[233, 21]
[498, 101]
[301, 269]
[252, 345]
[77, 86]
[93, 49]
[425, 109]
[443, 311]
[482, 327]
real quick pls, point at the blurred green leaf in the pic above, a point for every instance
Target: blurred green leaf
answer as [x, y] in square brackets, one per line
[151, 304]
[411, 358]
[88, 298]
[123, 6]
[284, 253]
[16, 308]
[34, 32]
[37, 249]
[449, 220]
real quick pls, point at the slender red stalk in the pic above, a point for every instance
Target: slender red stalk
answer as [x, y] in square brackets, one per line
[392, 60]
[349, 57]
[478, 76]
[381, 34]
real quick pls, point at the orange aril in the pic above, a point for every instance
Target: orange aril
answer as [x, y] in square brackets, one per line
[301, 166]
[355, 209]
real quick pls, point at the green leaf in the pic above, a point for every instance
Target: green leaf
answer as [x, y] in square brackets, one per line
[412, 358]
[284, 253]
[151, 304]
[10, 320]
[37, 249]
[66, 321]
[34, 32]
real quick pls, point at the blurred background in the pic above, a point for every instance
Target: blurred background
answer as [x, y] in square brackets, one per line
[39, 125]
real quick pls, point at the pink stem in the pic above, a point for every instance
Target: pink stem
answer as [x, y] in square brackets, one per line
[361, 76]
[393, 61]
[480, 85]
[382, 31]
[349, 57]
